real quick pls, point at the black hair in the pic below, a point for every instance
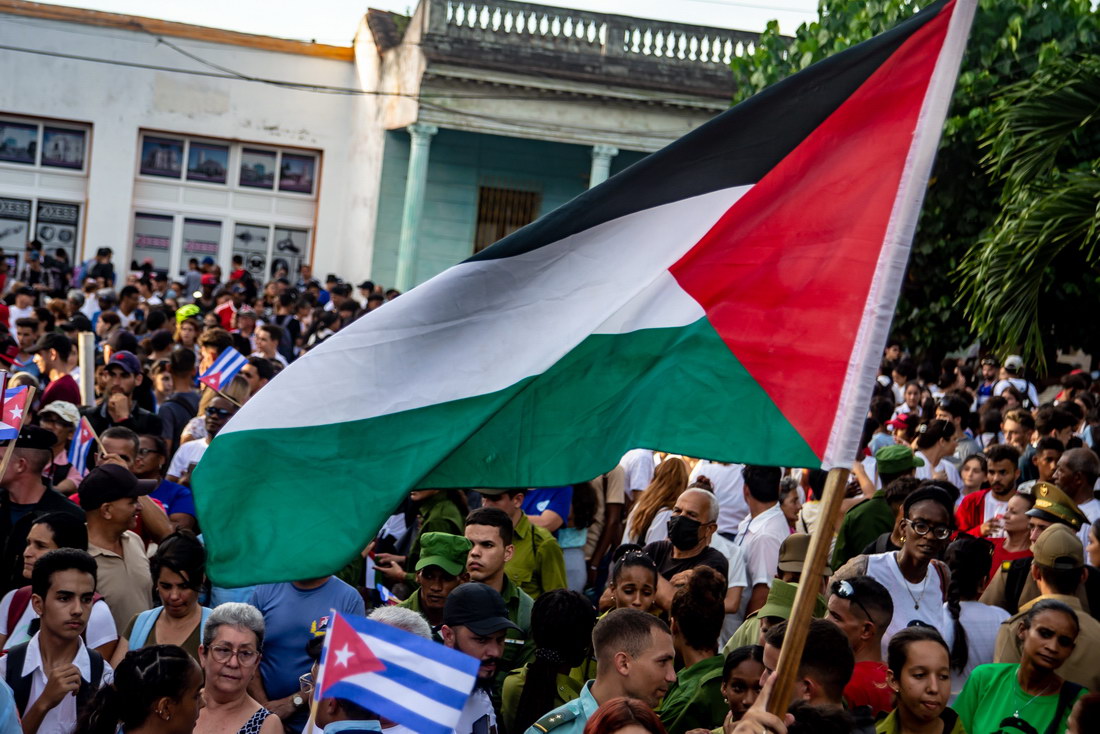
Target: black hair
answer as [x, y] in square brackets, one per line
[1049, 443]
[816, 480]
[183, 554]
[969, 560]
[942, 484]
[762, 482]
[1049, 419]
[982, 461]
[160, 340]
[263, 367]
[68, 530]
[625, 630]
[932, 432]
[561, 627]
[899, 490]
[882, 409]
[61, 559]
[127, 291]
[955, 406]
[1088, 712]
[144, 676]
[493, 517]
[697, 608]
[931, 493]
[874, 597]
[740, 655]
[906, 369]
[1061, 580]
[631, 555]
[819, 719]
[1002, 452]
[897, 651]
[1044, 605]
[124, 434]
[584, 505]
[830, 657]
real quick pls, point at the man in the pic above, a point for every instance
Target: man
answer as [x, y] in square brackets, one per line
[129, 315]
[729, 488]
[825, 668]
[761, 532]
[103, 270]
[23, 496]
[218, 413]
[1059, 571]
[244, 323]
[862, 609]
[339, 293]
[258, 372]
[981, 513]
[109, 497]
[694, 520]
[635, 658]
[121, 446]
[192, 280]
[1076, 473]
[212, 343]
[23, 308]
[118, 408]
[537, 563]
[490, 533]
[183, 403]
[267, 343]
[51, 356]
[954, 409]
[1040, 463]
[475, 621]
[1017, 427]
[441, 568]
[989, 370]
[294, 613]
[285, 308]
[1013, 368]
[865, 522]
[54, 675]
[639, 465]
[26, 334]
[606, 528]
[179, 503]
[1051, 422]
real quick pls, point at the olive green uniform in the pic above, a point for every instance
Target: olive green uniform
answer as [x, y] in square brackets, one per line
[566, 689]
[695, 700]
[537, 564]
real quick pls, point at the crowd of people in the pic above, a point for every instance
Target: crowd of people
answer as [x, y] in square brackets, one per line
[960, 593]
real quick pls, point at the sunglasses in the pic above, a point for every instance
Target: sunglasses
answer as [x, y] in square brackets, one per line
[845, 590]
[212, 412]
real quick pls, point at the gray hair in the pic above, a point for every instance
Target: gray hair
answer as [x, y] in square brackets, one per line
[712, 501]
[75, 296]
[234, 614]
[402, 618]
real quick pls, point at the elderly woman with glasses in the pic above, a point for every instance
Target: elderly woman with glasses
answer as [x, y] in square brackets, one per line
[915, 576]
[232, 641]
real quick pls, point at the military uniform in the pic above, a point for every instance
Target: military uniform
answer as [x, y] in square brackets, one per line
[695, 700]
[437, 514]
[1080, 667]
[565, 689]
[537, 565]
[518, 647]
[413, 603]
[778, 604]
[569, 718]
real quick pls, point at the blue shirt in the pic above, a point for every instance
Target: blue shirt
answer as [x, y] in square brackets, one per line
[292, 617]
[9, 721]
[352, 727]
[175, 498]
[556, 499]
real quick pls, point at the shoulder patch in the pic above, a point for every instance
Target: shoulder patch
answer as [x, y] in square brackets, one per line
[554, 720]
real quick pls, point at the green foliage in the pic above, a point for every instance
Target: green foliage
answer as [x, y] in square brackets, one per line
[1009, 42]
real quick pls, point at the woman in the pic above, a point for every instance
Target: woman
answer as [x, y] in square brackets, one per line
[1029, 695]
[790, 500]
[919, 674]
[741, 680]
[695, 700]
[633, 580]
[1016, 542]
[1093, 548]
[19, 621]
[237, 390]
[973, 472]
[156, 690]
[911, 397]
[573, 535]
[187, 335]
[624, 716]
[61, 417]
[935, 442]
[648, 519]
[561, 626]
[232, 643]
[917, 582]
[178, 569]
[969, 627]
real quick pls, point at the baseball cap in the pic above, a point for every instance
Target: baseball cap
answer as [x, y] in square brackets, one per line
[1054, 505]
[246, 313]
[479, 607]
[444, 550]
[1059, 547]
[127, 361]
[110, 482]
[52, 340]
[896, 459]
[186, 311]
[497, 491]
[35, 437]
[793, 551]
[64, 410]
[1014, 362]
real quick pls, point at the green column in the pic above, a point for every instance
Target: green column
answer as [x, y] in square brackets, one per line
[601, 163]
[415, 180]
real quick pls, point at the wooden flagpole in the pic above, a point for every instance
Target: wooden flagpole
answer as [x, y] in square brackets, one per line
[10, 449]
[798, 626]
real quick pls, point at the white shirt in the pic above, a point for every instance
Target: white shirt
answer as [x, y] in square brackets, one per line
[981, 622]
[190, 452]
[18, 313]
[928, 594]
[944, 467]
[1092, 512]
[728, 487]
[638, 464]
[1026, 388]
[61, 719]
[736, 578]
[478, 707]
[759, 538]
[278, 357]
[101, 625]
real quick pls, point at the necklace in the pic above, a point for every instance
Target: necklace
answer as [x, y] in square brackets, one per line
[905, 583]
[1043, 692]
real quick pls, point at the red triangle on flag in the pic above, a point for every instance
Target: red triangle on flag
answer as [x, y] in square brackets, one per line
[213, 381]
[348, 655]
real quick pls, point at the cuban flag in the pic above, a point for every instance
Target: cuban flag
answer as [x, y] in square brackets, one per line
[403, 677]
[224, 369]
[388, 597]
[83, 438]
[11, 415]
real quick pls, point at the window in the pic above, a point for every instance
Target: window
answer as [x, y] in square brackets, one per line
[54, 225]
[161, 157]
[153, 240]
[207, 162]
[52, 145]
[266, 250]
[501, 211]
[201, 238]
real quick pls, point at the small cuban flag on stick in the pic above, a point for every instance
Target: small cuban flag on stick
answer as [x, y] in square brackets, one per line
[83, 438]
[224, 369]
[403, 677]
[11, 414]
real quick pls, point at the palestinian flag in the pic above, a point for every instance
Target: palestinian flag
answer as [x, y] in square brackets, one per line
[727, 297]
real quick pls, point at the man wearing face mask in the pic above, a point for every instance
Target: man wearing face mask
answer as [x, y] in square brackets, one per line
[694, 520]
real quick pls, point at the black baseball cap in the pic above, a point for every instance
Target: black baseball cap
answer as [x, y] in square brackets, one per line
[479, 607]
[35, 437]
[110, 482]
[53, 340]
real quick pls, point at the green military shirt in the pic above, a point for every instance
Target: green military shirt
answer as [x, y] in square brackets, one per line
[438, 514]
[569, 718]
[566, 689]
[861, 526]
[749, 631]
[695, 700]
[537, 564]
[518, 646]
[413, 603]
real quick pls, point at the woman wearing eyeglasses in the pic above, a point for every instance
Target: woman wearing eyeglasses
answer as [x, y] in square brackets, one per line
[915, 577]
[1028, 696]
[232, 641]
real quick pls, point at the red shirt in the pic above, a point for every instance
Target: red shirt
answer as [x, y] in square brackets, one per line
[63, 388]
[868, 688]
[1001, 556]
[971, 513]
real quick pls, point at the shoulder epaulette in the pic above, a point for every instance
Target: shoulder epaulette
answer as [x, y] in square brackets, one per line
[554, 720]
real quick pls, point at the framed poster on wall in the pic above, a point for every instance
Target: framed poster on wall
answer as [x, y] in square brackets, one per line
[18, 142]
[161, 157]
[63, 148]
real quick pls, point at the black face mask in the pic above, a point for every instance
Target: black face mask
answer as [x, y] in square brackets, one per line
[683, 532]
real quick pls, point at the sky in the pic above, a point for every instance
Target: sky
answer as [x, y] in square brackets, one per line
[335, 21]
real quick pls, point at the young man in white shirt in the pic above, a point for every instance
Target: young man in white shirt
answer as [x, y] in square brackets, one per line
[63, 587]
[762, 532]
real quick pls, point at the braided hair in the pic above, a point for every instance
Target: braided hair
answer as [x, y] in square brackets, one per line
[561, 626]
[144, 676]
[969, 560]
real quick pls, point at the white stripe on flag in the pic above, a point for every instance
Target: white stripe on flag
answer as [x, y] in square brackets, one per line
[441, 673]
[407, 698]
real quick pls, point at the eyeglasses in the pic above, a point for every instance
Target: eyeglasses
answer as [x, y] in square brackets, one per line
[939, 532]
[845, 590]
[212, 412]
[305, 683]
[245, 657]
[146, 452]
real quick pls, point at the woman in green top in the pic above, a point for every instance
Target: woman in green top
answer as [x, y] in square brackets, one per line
[1029, 696]
[919, 673]
[695, 700]
[561, 626]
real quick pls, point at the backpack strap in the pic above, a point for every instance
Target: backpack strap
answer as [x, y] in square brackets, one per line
[1015, 579]
[1066, 698]
[87, 689]
[19, 602]
[13, 675]
[142, 626]
[206, 612]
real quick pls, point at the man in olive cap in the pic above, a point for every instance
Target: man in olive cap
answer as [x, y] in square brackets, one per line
[873, 517]
[1059, 571]
[441, 568]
